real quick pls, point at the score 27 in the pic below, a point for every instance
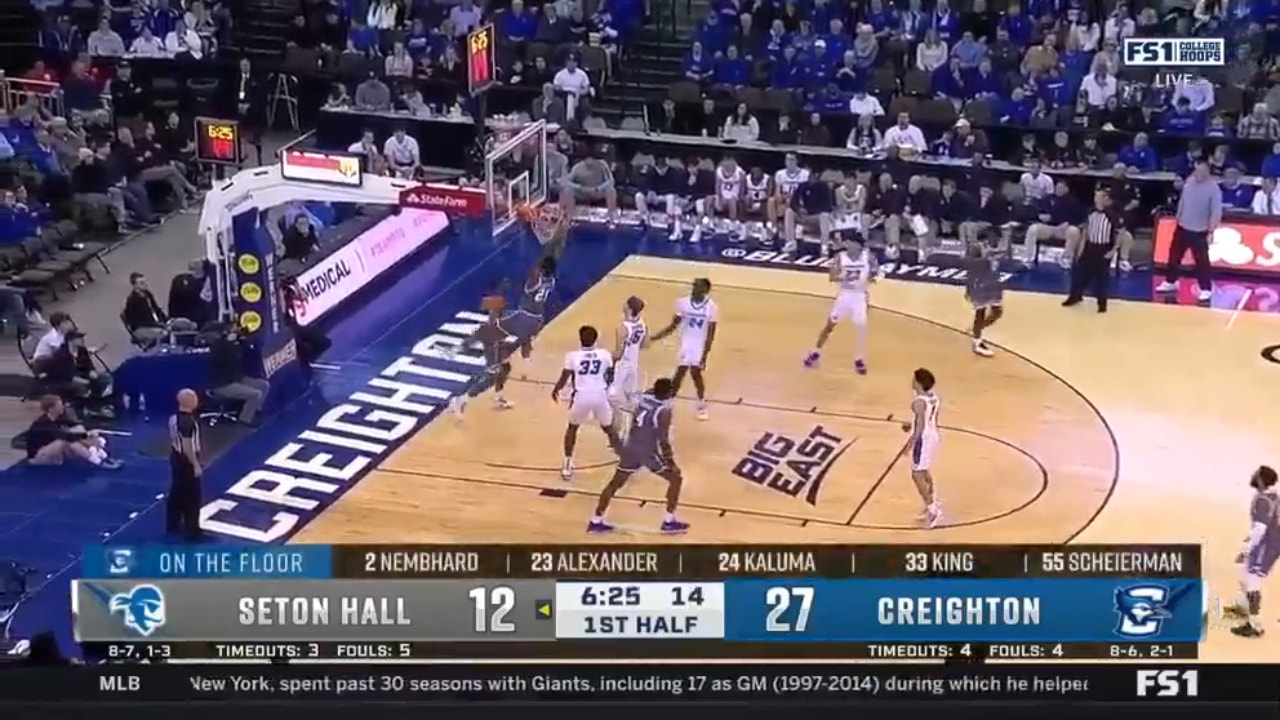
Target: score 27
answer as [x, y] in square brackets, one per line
[789, 609]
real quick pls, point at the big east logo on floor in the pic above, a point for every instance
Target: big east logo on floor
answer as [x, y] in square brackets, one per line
[925, 272]
[1242, 246]
[792, 466]
[311, 472]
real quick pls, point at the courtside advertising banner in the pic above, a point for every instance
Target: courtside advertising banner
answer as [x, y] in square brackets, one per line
[326, 284]
[1243, 246]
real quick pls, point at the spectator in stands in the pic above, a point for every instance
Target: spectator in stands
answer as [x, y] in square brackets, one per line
[183, 43]
[955, 213]
[55, 438]
[815, 132]
[932, 53]
[1198, 92]
[373, 95]
[698, 66]
[733, 70]
[465, 17]
[338, 97]
[127, 97]
[1236, 195]
[142, 315]
[162, 18]
[399, 63]
[864, 137]
[1035, 183]
[105, 42]
[71, 366]
[905, 135]
[411, 100]
[1267, 200]
[1139, 156]
[175, 137]
[147, 45]
[741, 126]
[300, 240]
[92, 186]
[1041, 59]
[82, 95]
[6, 148]
[518, 26]
[17, 223]
[155, 169]
[191, 295]
[126, 186]
[863, 103]
[574, 83]
[204, 24]
[1258, 124]
[1098, 88]
[449, 68]
[228, 378]
[66, 141]
[402, 153]
[548, 106]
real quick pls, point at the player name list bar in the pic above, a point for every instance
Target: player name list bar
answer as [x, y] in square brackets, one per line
[691, 562]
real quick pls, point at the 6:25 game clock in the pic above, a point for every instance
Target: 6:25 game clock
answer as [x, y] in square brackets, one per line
[217, 141]
[481, 44]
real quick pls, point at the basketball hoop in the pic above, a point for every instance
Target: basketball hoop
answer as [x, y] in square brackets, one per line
[545, 220]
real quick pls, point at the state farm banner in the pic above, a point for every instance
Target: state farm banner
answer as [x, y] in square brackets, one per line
[1242, 246]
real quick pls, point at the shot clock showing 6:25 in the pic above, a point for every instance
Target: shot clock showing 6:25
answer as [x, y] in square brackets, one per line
[217, 141]
[481, 45]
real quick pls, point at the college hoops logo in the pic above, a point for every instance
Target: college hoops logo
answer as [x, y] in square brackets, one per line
[792, 466]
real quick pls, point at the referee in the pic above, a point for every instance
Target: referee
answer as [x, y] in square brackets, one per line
[182, 506]
[1092, 268]
[1199, 214]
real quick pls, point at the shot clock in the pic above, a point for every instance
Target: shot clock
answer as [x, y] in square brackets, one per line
[217, 141]
[481, 44]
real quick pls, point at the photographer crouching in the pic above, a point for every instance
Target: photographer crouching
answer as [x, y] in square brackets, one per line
[312, 343]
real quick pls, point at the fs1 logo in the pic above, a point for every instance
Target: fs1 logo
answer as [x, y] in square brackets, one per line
[120, 561]
[792, 466]
[1175, 52]
[141, 608]
[1142, 610]
[1168, 683]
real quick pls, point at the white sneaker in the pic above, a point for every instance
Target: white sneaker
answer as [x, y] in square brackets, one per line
[566, 470]
[1064, 262]
[932, 517]
[789, 247]
[1125, 266]
[891, 252]
[676, 234]
[502, 403]
[1204, 295]
[980, 348]
[1167, 287]
[696, 237]
[702, 413]
[458, 405]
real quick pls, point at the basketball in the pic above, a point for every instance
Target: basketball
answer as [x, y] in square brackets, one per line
[526, 212]
[492, 302]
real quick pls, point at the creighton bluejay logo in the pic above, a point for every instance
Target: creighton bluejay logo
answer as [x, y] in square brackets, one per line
[1142, 610]
[141, 607]
[120, 561]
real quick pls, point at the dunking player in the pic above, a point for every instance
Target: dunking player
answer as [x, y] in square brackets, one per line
[630, 338]
[588, 369]
[490, 336]
[924, 442]
[854, 270]
[525, 321]
[1261, 550]
[696, 317]
[649, 446]
[551, 233]
[985, 292]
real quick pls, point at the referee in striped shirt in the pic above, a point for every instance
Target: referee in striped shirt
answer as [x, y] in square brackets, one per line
[1092, 269]
[182, 506]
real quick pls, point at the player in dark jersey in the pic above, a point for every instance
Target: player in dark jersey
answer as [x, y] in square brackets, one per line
[526, 320]
[984, 291]
[1262, 549]
[648, 445]
[491, 337]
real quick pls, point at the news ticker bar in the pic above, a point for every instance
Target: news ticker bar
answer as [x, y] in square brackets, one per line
[587, 562]
[661, 683]
[741, 610]
[391, 652]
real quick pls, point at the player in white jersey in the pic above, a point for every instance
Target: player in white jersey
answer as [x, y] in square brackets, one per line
[631, 336]
[785, 182]
[696, 317]
[924, 443]
[853, 269]
[850, 199]
[588, 369]
[729, 190]
[755, 197]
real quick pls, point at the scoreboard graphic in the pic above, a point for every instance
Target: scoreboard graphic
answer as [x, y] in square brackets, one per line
[877, 602]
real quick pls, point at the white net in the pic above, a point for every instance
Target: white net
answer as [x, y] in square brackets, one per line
[516, 172]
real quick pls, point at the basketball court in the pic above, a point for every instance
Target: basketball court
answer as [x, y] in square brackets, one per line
[1139, 426]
